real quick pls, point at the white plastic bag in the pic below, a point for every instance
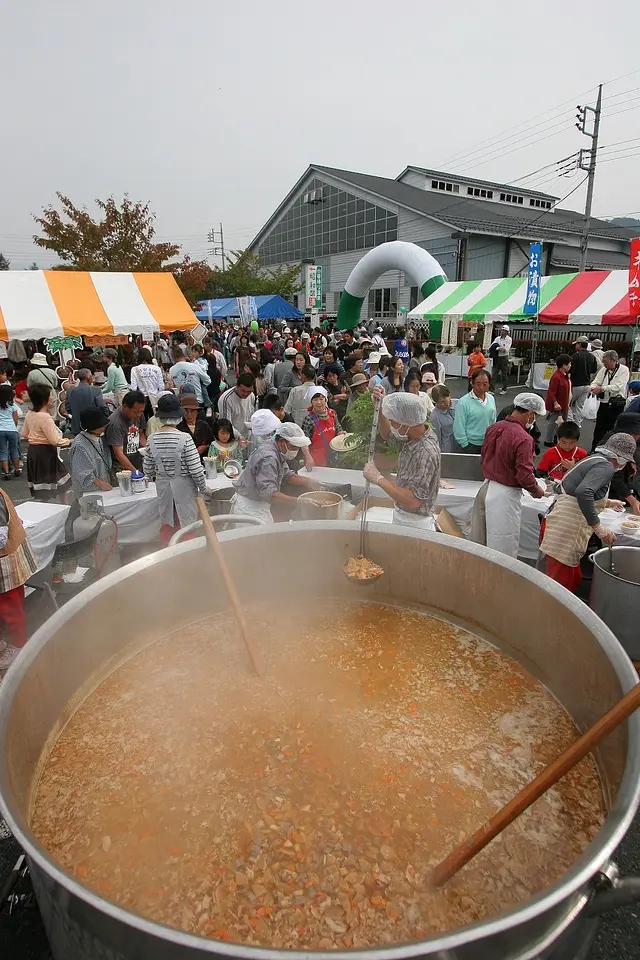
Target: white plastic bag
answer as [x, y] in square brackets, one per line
[590, 408]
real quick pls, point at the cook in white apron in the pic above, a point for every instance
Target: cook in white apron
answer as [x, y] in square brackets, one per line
[495, 522]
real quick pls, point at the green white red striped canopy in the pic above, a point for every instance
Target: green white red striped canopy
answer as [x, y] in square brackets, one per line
[582, 299]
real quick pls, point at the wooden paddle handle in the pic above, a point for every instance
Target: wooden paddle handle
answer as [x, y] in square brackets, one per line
[534, 790]
[214, 543]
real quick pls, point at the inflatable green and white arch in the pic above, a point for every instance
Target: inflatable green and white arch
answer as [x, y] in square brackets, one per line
[423, 269]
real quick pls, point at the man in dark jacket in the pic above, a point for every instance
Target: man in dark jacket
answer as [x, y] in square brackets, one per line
[83, 397]
[583, 369]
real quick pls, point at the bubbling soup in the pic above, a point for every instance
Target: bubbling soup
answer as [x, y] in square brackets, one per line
[304, 809]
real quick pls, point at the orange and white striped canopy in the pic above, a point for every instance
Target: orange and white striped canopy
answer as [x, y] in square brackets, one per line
[52, 303]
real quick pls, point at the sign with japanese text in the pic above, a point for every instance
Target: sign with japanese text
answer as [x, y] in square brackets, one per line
[117, 340]
[533, 279]
[634, 279]
[313, 287]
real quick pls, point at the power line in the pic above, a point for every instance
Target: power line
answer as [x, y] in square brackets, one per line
[621, 94]
[502, 153]
[517, 126]
[500, 146]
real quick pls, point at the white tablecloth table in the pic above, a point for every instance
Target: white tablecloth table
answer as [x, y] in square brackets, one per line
[137, 515]
[44, 525]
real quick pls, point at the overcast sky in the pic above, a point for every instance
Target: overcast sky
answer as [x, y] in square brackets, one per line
[212, 111]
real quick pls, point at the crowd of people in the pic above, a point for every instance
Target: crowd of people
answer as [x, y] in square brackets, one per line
[276, 399]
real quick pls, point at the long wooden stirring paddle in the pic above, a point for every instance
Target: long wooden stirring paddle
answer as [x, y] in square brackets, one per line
[534, 790]
[214, 544]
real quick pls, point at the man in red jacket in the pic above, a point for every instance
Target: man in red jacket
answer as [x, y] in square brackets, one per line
[558, 397]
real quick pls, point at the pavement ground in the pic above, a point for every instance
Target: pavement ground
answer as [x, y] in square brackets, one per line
[22, 935]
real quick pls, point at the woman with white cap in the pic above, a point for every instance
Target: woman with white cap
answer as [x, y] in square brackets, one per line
[415, 489]
[574, 516]
[321, 425]
[507, 464]
[259, 484]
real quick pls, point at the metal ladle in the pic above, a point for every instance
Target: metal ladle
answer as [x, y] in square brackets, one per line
[365, 499]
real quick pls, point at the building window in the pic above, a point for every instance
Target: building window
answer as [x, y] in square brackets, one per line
[324, 220]
[511, 198]
[444, 185]
[295, 300]
[480, 192]
[541, 204]
[413, 298]
[382, 303]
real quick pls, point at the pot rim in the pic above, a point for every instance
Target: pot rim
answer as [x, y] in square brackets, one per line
[595, 855]
[612, 576]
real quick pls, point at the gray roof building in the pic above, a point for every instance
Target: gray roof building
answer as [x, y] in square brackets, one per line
[476, 229]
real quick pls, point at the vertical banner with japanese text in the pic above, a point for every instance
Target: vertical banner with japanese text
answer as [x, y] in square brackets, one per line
[533, 279]
[634, 280]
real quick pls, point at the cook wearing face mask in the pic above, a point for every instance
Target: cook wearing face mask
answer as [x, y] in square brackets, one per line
[575, 514]
[259, 485]
[507, 465]
[414, 492]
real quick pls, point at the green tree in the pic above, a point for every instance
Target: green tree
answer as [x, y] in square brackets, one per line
[243, 277]
[120, 239]
[195, 279]
[4, 263]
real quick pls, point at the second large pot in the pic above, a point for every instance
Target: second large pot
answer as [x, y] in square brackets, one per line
[615, 597]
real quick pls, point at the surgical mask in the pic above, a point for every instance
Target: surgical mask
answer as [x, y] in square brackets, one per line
[290, 454]
[395, 433]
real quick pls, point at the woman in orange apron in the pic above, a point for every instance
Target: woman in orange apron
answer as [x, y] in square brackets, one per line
[321, 425]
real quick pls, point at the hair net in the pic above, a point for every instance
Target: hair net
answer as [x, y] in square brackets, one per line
[532, 402]
[293, 434]
[405, 408]
[619, 446]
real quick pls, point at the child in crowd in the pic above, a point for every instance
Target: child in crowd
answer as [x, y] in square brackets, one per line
[565, 454]
[9, 436]
[475, 361]
[224, 440]
[441, 418]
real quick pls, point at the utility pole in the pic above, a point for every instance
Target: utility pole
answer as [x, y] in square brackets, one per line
[217, 236]
[591, 168]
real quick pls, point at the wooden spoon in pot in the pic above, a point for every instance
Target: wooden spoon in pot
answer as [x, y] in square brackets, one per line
[534, 790]
[216, 549]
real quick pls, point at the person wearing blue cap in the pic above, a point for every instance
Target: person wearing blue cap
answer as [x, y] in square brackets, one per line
[633, 403]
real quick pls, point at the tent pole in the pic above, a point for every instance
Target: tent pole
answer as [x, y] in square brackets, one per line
[534, 338]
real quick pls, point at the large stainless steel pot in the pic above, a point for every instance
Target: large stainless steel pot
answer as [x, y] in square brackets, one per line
[615, 597]
[551, 633]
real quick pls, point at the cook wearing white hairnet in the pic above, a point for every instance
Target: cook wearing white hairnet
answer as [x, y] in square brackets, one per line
[507, 464]
[259, 485]
[402, 417]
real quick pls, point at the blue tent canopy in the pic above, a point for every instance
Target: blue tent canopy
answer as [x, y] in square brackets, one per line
[271, 307]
